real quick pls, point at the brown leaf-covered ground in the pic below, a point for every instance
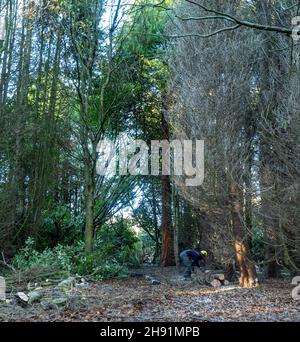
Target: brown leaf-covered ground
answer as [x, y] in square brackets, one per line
[135, 299]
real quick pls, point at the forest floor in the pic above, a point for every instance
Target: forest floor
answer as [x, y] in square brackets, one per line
[134, 299]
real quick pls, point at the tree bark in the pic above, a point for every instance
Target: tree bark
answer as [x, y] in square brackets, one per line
[176, 224]
[167, 254]
[89, 209]
[243, 257]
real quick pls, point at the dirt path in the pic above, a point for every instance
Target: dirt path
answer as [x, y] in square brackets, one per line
[134, 299]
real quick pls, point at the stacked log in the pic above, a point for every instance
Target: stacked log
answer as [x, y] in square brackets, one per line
[213, 278]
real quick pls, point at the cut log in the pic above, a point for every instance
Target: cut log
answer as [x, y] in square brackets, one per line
[216, 283]
[208, 277]
[219, 276]
[201, 277]
[22, 297]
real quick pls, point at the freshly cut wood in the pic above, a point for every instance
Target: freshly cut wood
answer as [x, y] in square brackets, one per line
[208, 277]
[201, 277]
[22, 297]
[219, 276]
[216, 283]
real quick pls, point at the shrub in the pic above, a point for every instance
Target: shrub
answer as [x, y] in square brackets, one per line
[116, 249]
[59, 225]
[119, 241]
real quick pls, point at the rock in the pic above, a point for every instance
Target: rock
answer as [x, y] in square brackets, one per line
[216, 283]
[67, 284]
[226, 283]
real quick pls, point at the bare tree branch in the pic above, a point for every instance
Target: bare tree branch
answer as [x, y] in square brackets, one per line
[6, 264]
[242, 22]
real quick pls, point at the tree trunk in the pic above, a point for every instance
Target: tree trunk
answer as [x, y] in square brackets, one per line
[156, 225]
[243, 257]
[167, 254]
[272, 269]
[89, 213]
[229, 271]
[176, 224]
[90, 159]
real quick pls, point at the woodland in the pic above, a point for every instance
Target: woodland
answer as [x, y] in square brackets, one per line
[77, 245]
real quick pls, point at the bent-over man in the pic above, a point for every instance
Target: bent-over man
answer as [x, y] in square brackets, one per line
[191, 259]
